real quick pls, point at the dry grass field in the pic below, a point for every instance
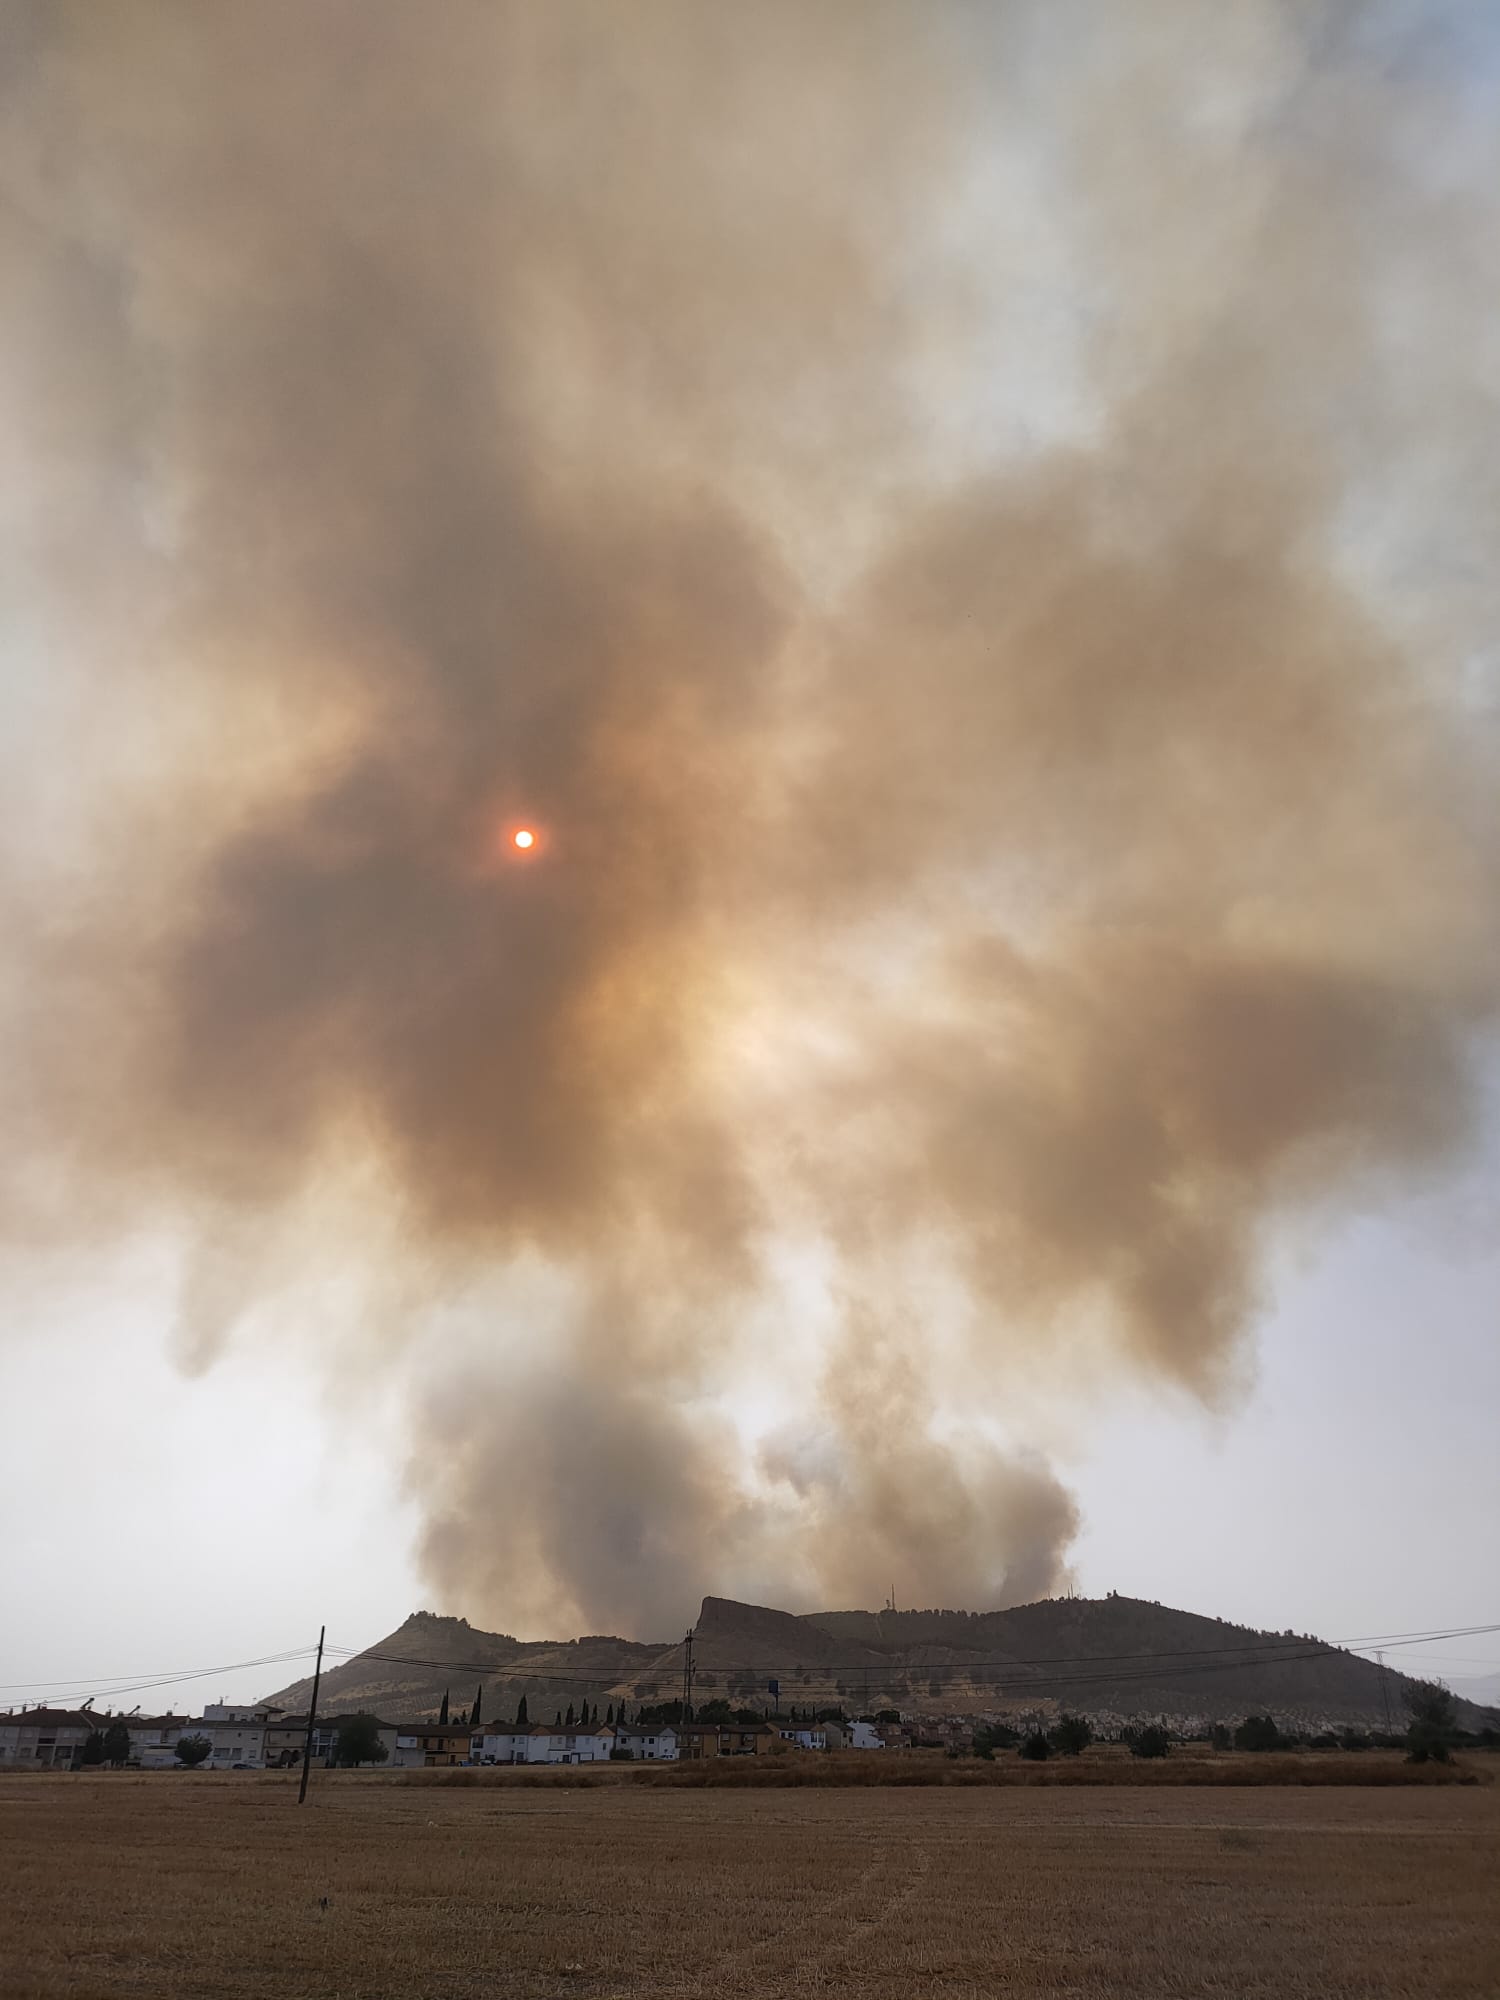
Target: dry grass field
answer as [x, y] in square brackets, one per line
[170, 1885]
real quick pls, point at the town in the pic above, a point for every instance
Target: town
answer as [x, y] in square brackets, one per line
[257, 1737]
[262, 1737]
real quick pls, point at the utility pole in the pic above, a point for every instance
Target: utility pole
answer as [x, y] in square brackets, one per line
[687, 1676]
[312, 1716]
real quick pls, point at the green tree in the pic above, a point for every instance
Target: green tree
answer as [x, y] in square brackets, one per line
[191, 1751]
[609, 1716]
[476, 1713]
[443, 1711]
[993, 1736]
[117, 1742]
[1434, 1719]
[523, 1720]
[1152, 1741]
[889, 1715]
[1257, 1732]
[358, 1741]
[568, 1718]
[1221, 1736]
[1036, 1749]
[93, 1747]
[1071, 1735]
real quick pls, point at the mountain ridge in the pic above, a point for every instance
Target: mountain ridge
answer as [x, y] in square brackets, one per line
[1112, 1656]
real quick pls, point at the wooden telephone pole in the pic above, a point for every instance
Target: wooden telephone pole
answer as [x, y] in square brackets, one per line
[312, 1716]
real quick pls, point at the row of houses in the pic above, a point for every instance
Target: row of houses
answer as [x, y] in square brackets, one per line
[53, 1739]
[266, 1739]
[665, 1742]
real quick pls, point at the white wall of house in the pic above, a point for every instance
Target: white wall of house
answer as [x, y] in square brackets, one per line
[408, 1754]
[806, 1735]
[234, 1743]
[44, 1742]
[570, 1746]
[502, 1746]
[656, 1745]
[865, 1736]
[153, 1745]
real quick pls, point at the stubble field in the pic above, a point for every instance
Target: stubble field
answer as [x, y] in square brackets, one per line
[170, 1885]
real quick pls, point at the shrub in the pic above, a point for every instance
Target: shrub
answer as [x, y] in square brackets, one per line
[191, 1751]
[1036, 1749]
[1152, 1741]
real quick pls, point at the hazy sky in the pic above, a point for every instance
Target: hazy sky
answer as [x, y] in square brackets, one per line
[969, 531]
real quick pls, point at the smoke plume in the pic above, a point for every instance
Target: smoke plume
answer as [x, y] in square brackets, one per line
[962, 530]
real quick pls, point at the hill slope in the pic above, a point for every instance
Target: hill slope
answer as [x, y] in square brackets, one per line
[1114, 1656]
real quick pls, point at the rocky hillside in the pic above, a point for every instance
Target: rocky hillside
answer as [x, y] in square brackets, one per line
[1114, 1656]
[1121, 1656]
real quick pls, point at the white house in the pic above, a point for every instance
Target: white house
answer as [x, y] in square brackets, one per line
[806, 1736]
[408, 1754]
[655, 1741]
[570, 1746]
[153, 1739]
[811, 1735]
[502, 1744]
[236, 1744]
[47, 1739]
[865, 1736]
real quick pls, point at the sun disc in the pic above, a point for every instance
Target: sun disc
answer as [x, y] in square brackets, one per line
[524, 838]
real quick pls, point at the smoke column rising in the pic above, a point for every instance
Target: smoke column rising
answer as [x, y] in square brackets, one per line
[931, 512]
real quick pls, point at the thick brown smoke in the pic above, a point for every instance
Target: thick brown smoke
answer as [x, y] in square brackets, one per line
[901, 498]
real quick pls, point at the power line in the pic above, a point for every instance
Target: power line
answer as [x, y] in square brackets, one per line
[99, 1690]
[72, 1680]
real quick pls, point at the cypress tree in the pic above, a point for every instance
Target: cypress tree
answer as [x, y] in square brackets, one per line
[557, 1720]
[568, 1722]
[523, 1720]
[476, 1713]
[609, 1716]
[443, 1711]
